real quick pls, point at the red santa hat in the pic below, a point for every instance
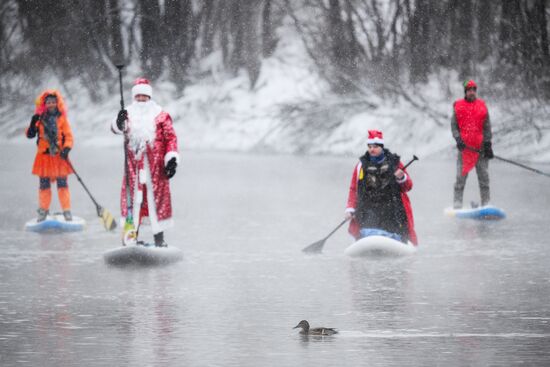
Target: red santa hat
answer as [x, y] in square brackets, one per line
[469, 84]
[142, 86]
[375, 137]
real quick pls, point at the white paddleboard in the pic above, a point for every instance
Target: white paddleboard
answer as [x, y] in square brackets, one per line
[142, 255]
[379, 246]
[56, 223]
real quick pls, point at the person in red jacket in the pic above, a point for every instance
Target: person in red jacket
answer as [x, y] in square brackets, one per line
[152, 158]
[52, 130]
[471, 129]
[378, 197]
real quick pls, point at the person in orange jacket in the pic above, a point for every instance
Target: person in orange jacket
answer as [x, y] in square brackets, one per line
[52, 130]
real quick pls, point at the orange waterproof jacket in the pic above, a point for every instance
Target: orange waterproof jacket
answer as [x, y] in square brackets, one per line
[46, 165]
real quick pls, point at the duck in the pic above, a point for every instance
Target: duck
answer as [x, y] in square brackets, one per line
[314, 331]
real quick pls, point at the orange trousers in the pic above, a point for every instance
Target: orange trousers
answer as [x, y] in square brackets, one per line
[45, 193]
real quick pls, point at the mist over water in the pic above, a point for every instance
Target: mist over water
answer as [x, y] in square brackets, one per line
[474, 294]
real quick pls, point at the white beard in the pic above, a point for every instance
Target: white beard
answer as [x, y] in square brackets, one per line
[142, 124]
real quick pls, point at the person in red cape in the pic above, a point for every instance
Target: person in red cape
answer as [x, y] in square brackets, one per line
[50, 126]
[471, 129]
[378, 197]
[152, 153]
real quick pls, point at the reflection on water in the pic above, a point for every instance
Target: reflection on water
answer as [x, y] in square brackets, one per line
[474, 294]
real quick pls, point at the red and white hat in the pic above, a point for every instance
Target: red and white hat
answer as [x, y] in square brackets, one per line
[375, 137]
[142, 86]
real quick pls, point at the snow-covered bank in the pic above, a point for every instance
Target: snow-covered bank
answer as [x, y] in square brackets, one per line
[292, 111]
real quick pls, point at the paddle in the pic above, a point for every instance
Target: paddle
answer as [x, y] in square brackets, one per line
[129, 234]
[106, 217]
[511, 162]
[317, 247]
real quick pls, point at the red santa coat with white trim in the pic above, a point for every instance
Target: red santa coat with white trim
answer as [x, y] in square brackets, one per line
[404, 186]
[149, 185]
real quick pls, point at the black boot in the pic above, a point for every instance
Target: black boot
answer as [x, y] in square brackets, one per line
[159, 240]
[67, 215]
[42, 214]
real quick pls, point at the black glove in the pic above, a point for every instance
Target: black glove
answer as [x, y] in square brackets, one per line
[488, 150]
[121, 119]
[65, 153]
[460, 144]
[170, 168]
[34, 120]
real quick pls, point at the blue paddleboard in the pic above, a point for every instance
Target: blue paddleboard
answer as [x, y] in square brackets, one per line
[56, 223]
[488, 212]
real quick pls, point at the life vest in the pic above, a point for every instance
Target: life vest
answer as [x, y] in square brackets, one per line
[470, 118]
[379, 202]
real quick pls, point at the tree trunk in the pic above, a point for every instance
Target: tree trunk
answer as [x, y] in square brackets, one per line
[152, 47]
[420, 33]
[485, 21]
[209, 27]
[115, 33]
[269, 41]
[466, 39]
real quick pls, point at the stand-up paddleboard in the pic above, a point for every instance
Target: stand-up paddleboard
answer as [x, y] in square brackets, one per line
[56, 223]
[487, 212]
[379, 246]
[142, 254]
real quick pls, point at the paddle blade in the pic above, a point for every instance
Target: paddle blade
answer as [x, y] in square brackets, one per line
[315, 248]
[107, 219]
[129, 235]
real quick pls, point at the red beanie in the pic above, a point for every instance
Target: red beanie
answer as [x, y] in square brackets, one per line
[375, 137]
[469, 84]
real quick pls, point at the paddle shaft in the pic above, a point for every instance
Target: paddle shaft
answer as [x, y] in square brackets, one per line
[335, 229]
[129, 206]
[415, 158]
[129, 201]
[98, 207]
[511, 162]
[119, 67]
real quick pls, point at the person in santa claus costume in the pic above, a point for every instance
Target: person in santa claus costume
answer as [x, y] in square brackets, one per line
[50, 126]
[152, 158]
[378, 197]
[471, 129]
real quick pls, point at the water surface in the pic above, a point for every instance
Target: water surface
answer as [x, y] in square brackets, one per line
[474, 294]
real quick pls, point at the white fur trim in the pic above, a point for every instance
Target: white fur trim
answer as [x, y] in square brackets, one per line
[375, 141]
[350, 210]
[115, 129]
[403, 179]
[138, 197]
[171, 155]
[156, 224]
[145, 89]
[142, 176]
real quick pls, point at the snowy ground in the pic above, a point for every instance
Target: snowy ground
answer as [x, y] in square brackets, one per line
[291, 111]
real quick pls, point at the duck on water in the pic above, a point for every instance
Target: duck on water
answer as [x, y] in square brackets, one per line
[314, 331]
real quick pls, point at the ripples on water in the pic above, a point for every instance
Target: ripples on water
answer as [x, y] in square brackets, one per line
[474, 294]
